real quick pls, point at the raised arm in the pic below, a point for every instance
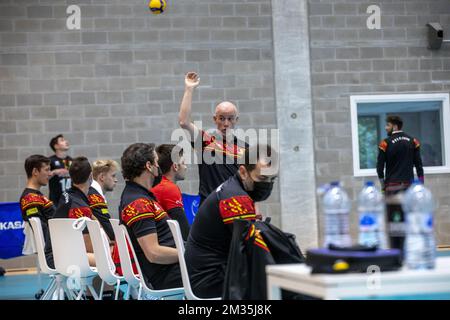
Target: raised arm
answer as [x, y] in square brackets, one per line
[191, 81]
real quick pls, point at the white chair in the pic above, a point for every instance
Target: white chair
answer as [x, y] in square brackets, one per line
[69, 253]
[56, 288]
[132, 280]
[176, 232]
[138, 281]
[103, 261]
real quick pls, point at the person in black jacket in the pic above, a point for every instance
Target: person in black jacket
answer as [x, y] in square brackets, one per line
[208, 244]
[104, 173]
[218, 150]
[400, 153]
[33, 203]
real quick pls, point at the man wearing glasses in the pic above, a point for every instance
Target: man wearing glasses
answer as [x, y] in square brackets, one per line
[219, 151]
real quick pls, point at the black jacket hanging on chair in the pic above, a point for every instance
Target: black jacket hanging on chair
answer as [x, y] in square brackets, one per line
[255, 245]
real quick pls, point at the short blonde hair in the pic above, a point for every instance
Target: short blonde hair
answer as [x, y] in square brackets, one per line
[103, 166]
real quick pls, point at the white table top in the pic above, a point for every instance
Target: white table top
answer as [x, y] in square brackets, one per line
[298, 277]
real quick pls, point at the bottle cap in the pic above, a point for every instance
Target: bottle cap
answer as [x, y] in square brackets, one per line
[334, 183]
[369, 184]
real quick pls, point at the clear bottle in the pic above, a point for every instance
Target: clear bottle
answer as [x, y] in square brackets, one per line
[336, 207]
[420, 249]
[372, 226]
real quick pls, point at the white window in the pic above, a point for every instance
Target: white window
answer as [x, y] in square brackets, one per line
[425, 117]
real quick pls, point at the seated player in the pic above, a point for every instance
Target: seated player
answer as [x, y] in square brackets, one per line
[104, 174]
[167, 193]
[145, 219]
[33, 203]
[74, 203]
[209, 240]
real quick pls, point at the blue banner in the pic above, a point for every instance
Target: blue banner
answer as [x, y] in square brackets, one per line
[11, 230]
[191, 204]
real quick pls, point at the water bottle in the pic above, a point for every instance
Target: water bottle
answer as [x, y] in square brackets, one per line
[372, 231]
[336, 207]
[418, 205]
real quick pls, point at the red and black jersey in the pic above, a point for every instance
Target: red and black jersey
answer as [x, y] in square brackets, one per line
[99, 209]
[74, 204]
[400, 153]
[168, 195]
[217, 160]
[209, 240]
[58, 185]
[34, 204]
[142, 215]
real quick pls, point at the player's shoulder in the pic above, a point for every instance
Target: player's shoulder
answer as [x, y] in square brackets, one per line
[383, 145]
[30, 197]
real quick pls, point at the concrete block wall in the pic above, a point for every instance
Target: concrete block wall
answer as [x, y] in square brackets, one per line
[120, 79]
[349, 59]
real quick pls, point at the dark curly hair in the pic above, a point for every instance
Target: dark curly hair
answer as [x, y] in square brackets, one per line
[165, 160]
[395, 120]
[135, 157]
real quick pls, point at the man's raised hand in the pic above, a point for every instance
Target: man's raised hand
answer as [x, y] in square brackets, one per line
[191, 80]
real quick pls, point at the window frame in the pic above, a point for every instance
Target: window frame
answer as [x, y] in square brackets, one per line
[445, 125]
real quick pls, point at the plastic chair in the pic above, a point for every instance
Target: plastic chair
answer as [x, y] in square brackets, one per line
[56, 288]
[138, 281]
[103, 261]
[132, 280]
[176, 232]
[69, 252]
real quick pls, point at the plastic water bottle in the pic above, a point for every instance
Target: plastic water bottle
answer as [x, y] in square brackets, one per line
[336, 206]
[372, 230]
[418, 205]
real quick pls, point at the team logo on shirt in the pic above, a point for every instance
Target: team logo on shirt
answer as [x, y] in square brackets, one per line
[239, 207]
[75, 213]
[96, 200]
[383, 145]
[259, 241]
[33, 200]
[212, 144]
[137, 210]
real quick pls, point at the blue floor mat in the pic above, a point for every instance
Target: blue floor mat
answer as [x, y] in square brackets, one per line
[22, 287]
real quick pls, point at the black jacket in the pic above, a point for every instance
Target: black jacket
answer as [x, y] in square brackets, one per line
[254, 246]
[400, 153]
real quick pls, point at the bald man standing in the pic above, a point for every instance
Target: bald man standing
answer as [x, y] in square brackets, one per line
[218, 150]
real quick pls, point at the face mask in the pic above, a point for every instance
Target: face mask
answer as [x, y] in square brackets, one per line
[158, 178]
[261, 190]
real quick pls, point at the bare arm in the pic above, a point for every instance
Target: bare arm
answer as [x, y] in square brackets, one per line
[60, 172]
[89, 249]
[156, 253]
[191, 81]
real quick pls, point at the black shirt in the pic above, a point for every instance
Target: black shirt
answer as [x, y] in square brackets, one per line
[209, 240]
[217, 160]
[142, 215]
[400, 153]
[74, 204]
[58, 185]
[99, 209]
[34, 204]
